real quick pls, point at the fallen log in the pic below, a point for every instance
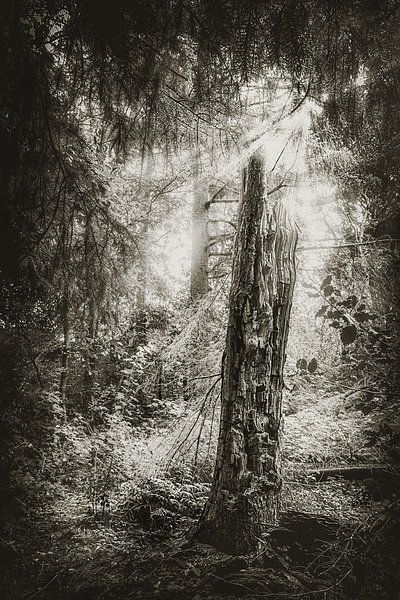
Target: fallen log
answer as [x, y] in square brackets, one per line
[383, 472]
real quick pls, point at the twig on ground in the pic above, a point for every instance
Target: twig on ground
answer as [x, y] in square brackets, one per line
[40, 590]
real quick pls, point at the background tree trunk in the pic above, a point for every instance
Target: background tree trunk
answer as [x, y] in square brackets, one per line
[246, 486]
[91, 317]
[65, 345]
[141, 320]
[200, 217]
[89, 375]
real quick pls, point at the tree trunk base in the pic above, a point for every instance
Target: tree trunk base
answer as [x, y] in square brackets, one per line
[252, 513]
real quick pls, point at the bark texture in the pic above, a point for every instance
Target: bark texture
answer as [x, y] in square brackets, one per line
[246, 486]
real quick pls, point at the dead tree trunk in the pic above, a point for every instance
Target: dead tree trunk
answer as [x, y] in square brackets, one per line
[200, 238]
[246, 487]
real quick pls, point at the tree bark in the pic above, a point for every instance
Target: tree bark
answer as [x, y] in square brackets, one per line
[246, 486]
[200, 217]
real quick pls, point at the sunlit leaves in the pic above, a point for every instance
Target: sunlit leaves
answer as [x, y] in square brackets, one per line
[347, 313]
[326, 281]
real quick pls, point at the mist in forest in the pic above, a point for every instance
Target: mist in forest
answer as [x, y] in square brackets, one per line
[199, 300]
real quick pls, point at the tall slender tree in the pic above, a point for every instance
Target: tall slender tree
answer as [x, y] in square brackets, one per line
[200, 236]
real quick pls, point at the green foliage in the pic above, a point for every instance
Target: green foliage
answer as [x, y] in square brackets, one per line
[326, 431]
[163, 502]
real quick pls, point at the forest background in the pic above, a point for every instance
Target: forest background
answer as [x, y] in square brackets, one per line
[124, 132]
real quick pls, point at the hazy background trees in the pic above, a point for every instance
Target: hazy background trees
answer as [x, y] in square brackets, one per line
[124, 131]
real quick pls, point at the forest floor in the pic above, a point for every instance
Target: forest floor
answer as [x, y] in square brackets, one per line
[336, 538]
